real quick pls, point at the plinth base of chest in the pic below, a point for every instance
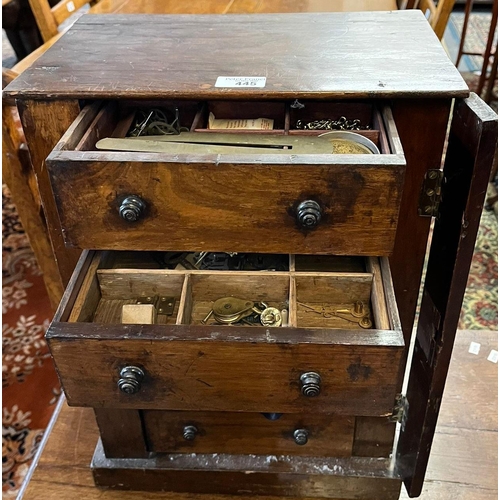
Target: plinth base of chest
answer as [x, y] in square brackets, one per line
[270, 475]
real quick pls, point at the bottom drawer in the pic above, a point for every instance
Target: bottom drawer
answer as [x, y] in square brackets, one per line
[319, 361]
[252, 433]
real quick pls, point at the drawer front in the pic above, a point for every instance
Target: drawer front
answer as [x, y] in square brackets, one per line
[283, 203]
[248, 433]
[200, 368]
[313, 364]
[228, 206]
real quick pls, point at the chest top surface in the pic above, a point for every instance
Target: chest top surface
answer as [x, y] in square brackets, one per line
[323, 55]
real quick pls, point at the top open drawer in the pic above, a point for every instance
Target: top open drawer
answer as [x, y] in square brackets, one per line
[344, 204]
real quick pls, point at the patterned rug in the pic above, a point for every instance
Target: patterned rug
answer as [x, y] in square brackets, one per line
[475, 40]
[30, 384]
[480, 306]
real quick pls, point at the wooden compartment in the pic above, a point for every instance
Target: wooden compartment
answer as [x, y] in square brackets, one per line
[203, 289]
[124, 287]
[328, 263]
[324, 301]
[218, 367]
[244, 110]
[221, 202]
[115, 119]
[368, 114]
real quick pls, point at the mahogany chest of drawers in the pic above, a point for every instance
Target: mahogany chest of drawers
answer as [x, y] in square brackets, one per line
[314, 407]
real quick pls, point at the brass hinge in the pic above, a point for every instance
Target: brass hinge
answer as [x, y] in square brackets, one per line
[400, 411]
[162, 304]
[430, 195]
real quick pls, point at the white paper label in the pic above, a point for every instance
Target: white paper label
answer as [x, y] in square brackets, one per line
[474, 348]
[256, 82]
[70, 6]
[493, 356]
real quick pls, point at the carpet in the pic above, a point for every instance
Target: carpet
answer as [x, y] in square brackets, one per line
[29, 381]
[475, 40]
[480, 306]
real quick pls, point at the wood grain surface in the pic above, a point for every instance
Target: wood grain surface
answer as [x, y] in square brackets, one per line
[262, 366]
[227, 204]
[463, 462]
[252, 433]
[122, 433]
[44, 123]
[182, 56]
[260, 372]
[422, 126]
[238, 6]
[469, 158]
[270, 6]
[289, 476]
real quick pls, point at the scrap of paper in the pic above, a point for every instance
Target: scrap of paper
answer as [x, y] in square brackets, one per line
[474, 348]
[493, 356]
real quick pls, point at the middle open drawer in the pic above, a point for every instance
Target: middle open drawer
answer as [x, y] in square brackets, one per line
[326, 357]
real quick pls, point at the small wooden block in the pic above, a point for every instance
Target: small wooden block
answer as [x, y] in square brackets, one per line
[134, 314]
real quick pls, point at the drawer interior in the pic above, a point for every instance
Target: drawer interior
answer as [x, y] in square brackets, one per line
[117, 119]
[267, 366]
[321, 292]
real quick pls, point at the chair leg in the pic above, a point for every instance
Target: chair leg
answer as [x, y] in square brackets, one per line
[16, 174]
[493, 76]
[468, 9]
[487, 51]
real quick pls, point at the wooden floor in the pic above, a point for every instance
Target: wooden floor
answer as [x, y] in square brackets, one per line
[463, 463]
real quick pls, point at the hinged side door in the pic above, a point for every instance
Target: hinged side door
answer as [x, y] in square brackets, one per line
[472, 144]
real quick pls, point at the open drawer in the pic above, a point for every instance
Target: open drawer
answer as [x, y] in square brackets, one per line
[320, 360]
[343, 204]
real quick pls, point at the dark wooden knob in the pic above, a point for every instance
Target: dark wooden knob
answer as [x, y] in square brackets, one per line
[131, 208]
[189, 432]
[300, 436]
[130, 379]
[310, 383]
[308, 214]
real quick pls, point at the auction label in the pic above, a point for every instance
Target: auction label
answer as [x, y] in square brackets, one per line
[257, 82]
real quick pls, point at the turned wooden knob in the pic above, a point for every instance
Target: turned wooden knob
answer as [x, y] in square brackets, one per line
[310, 384]
[132, 208]
[189, 432]
[130, 379]
[300, 436]
[308, 214]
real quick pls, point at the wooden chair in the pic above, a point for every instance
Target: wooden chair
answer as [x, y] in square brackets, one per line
[18, 174]
[488, 53]
[17, 170]
[437, 14]
[49, 18]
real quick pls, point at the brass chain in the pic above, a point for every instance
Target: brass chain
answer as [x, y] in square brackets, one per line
[341, 124]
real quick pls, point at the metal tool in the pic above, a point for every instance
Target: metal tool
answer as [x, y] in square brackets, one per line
[357, 312]
[218, 143]
[231, 310]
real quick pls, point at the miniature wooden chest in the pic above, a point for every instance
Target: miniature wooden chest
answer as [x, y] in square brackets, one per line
[276, 290]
